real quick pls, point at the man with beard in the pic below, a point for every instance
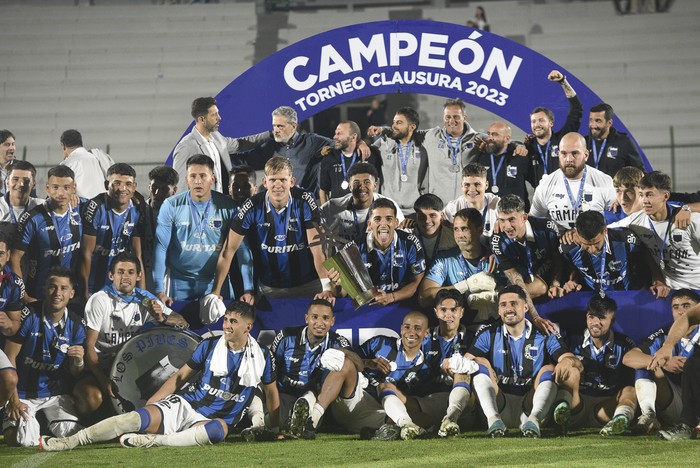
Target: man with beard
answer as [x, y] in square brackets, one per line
[394, 258]
[401, 151]
[574, 187]
[543, 145]
[337, 162]
[21, 180]
[206, 139]
[603, 393]
[347, 216]
[506, 172]
[611, 150]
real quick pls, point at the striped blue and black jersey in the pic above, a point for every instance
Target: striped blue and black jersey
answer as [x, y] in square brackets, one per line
[11, 290]
[298, 365]
[603, 371]
[533, 257]
[414, 377]
[189, 237]
[113, 233]
[517, 361]
[283, 258]
[621, 264]
[223, 397]
[49, 240]
[398, 265]
[684, 348]
[42, 363]
[435, 345]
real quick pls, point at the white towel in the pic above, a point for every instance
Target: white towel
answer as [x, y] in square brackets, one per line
[252, 362]
[211, 309]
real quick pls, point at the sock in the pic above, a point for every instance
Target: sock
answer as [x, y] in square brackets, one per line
[198, 435]
[256, 413]
[486, 392]
[316, 414]
[542, 400]
[646, 395]
[563, 395]
[310, 397]
[624, 410]
[395, 409]
[109, 429]
[457, 401]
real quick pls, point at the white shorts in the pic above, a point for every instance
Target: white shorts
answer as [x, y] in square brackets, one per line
[61, 418]
[672, 413]
[4, 362]
[361, 410]
[177, 413]
[587, 417]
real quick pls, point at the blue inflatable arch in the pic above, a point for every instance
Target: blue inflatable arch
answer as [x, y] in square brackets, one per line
[429, 57]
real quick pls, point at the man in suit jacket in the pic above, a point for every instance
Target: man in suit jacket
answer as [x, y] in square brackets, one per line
[206, 139]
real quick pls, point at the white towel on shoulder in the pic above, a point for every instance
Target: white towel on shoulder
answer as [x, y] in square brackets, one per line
[252, 362]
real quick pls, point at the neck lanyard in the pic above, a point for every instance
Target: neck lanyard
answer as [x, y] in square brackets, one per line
[545, 155]
[342, 162]
[665, 238]
[60, 233]
[596, 155]
[199, 221]
[528, 254]
[575, 205]
[55, 339]
[496, 170]
[455, 149]
[601, 276]
[13, 218]
[403, 157]
[382, 257]
[468, 271]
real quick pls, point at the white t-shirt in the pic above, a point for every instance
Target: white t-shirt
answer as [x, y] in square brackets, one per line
[5, 215]
[681, 252]
[490, 215]
[552, 201]
[116, 321]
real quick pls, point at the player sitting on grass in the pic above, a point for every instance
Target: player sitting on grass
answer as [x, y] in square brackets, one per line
[603, 392]
[231, 366]
[517, 379]
[314, 366]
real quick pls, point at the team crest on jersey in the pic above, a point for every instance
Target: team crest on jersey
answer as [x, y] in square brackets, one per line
[677, 236]
[531, 352]
[588, 197]
[411, 376]
[555, 151]
[612, 361]
[215, 223]
[612, 152]
[512, 171]
[398, 259]
[293, 224]
[615, 265]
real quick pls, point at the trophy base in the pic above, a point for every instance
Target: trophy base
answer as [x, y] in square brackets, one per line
[364, 297]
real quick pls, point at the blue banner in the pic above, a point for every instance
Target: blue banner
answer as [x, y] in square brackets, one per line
[428, 57]
[638, 315]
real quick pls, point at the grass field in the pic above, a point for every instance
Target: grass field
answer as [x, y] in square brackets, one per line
[585, 448]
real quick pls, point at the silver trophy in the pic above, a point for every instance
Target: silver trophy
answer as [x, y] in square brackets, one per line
[354, 277]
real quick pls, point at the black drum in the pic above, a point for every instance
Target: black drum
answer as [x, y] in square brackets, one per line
[146, 361]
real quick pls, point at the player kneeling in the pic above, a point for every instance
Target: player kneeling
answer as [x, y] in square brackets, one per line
[231, 366]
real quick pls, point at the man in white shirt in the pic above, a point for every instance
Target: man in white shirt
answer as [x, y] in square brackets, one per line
[89, 174]
[574, 187]
[676, 250]
[21, 180]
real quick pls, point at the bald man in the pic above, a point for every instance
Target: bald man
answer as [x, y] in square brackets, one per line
[506, 173]
[574, 187]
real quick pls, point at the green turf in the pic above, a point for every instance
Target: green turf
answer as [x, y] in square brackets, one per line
[472, 449]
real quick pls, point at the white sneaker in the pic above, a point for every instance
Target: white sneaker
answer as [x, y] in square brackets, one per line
[137, 440]
[448, 428]
[53, 444]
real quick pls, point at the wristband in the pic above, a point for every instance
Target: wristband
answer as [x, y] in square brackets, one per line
[563, 78]
[80, 364]
[326, 284]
